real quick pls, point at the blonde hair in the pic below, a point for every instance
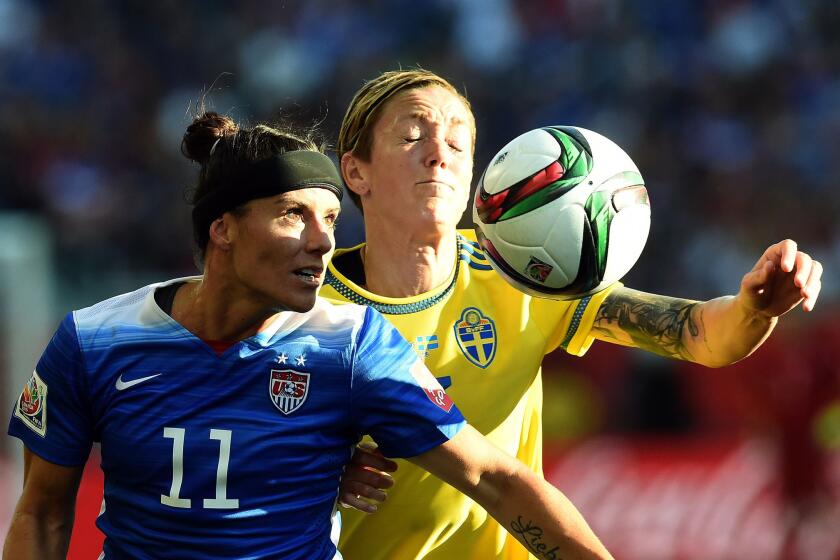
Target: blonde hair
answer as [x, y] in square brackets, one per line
[356, 132]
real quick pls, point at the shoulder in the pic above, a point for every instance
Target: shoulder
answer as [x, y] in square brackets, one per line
[122, 315]
[338, 321]
[337, 312]
[471, 254]
[469, 235]
[359, 322]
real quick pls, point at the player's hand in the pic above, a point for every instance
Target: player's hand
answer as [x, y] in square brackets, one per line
[781, 279]
[365, 478]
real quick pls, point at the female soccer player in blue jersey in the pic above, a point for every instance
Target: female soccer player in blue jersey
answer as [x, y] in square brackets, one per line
[228, 404]
[406, 146]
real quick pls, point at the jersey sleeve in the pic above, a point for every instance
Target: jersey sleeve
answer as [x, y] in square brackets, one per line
[395, 398]
[51, 416]
[569, 323]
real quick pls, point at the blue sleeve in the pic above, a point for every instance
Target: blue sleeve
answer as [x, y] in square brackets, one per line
[395, 397]
[51, 416]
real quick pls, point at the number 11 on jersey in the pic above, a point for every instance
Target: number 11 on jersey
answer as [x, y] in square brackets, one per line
[221, 501]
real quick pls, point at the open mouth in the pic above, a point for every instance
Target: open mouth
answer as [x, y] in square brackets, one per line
[310, 274]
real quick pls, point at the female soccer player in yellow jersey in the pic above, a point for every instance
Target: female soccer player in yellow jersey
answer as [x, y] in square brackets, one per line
[406, 147]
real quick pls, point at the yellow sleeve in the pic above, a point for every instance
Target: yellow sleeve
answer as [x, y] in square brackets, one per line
[571, 323]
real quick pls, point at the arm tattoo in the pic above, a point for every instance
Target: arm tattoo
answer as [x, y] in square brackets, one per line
[531, 536]
[655, 323]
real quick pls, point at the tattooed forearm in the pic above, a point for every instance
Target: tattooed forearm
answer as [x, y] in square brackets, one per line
[656, 323]
[531, 536]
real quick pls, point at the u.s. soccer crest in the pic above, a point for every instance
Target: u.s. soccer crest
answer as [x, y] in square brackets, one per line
[476, 336]
[288, 389]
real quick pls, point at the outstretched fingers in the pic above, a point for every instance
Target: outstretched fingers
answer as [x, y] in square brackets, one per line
[781, 279]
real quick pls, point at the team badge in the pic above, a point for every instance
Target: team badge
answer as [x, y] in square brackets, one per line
[31, 407]
[430, 385]
[288, 389]
[538, 270]
[476, 336]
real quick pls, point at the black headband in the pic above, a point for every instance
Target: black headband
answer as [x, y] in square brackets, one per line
[289, 171]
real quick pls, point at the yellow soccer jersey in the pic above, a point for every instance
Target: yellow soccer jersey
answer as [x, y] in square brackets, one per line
[485, 341]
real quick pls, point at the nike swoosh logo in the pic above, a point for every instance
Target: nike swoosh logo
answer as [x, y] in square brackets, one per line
[122, 385]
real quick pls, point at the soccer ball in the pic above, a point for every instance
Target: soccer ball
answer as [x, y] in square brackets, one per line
[561, 212]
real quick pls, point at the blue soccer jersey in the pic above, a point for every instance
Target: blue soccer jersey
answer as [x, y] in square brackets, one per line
[237, 455]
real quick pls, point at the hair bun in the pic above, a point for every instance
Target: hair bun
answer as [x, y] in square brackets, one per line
[203, 133]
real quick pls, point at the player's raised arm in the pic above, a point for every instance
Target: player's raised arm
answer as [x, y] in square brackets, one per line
[720, 331]
[43, 519]
[531, 509]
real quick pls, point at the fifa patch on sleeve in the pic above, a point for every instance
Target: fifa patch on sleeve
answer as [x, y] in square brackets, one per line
[31, 407]
[430, 385]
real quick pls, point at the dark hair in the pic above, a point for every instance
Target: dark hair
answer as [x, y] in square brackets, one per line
[223, 148]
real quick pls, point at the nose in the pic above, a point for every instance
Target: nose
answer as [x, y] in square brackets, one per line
[437, 153]
[319, 237]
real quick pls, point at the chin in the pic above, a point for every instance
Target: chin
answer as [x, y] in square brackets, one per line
[437, 214]
[445, 214]
[300, 304]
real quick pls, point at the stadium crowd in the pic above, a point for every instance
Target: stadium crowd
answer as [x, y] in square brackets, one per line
[728, 107]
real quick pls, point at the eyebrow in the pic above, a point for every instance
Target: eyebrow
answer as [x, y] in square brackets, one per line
[283, 199]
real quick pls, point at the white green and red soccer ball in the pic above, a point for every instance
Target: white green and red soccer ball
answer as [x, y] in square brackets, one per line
[561, 212]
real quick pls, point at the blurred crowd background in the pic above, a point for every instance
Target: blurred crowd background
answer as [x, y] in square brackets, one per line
[730, 108]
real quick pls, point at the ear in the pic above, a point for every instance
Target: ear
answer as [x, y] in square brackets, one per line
[355, 175]
[223, 231]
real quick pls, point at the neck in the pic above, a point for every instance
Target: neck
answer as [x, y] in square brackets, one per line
[211, 310]
[404, 264]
